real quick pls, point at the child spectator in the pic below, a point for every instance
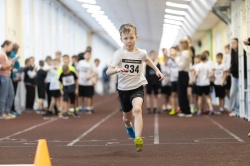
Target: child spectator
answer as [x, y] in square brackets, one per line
[86, 72]
[165, 84]
[203, 73]
[193, 80]
[154, 85]
[69, 88]
[41, 87]
[54, 88]
[30, 83]
[74, 61]
[174, 72]
[220, 75]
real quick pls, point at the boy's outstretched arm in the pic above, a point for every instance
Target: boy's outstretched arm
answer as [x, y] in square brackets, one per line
[112, 70]
[152, 65]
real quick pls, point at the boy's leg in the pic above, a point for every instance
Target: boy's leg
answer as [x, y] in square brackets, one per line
[137, 113]
[127, 118]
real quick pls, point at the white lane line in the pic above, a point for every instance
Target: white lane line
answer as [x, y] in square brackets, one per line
[156, 130]
[28, 129]
[226, 130]
[92, 128]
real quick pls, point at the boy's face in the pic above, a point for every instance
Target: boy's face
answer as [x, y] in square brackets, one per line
[226, 50]
[197, 60]
[87, 56]
[153, 56]
[58, 55]
[172, 52]
[66, 71]
[31, 61]
[97, 63]
[74, 60]
[55, 64]
[129, 40]
[66, 60]
[219, 59]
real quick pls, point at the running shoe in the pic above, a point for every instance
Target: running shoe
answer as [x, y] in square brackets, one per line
[232, 114]
[248, 134]
[211, 112]
[172, 112]
[71, 110]
[199, 113]
[181, 115]
[65, 115]
[188, 115]
[155, 110]
[87, 112]
[130, 130]
[75, 115]
[48, 113]
[139, 144]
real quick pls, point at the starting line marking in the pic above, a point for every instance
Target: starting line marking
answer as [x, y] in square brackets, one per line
[92, 128]
[28, 129]
[226, 130]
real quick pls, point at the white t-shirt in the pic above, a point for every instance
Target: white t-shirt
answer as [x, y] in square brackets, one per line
[54, 82]
[218, 73]
[204, 70]
[174, 71]
[184, 61]
[85, 68]
[166, 72]
[133, 61]
[193, 68]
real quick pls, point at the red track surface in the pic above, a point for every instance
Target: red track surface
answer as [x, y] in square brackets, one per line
[206, 140]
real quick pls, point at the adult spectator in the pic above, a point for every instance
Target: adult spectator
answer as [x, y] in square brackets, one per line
[6, 86]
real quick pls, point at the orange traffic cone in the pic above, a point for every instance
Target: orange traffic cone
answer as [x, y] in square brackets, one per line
[42, 157]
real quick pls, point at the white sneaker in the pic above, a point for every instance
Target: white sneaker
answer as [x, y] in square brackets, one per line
[188, 115]
[232, 114]
[181, 115]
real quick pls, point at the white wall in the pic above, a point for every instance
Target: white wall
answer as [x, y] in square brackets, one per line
[2, 21]
[49, 27]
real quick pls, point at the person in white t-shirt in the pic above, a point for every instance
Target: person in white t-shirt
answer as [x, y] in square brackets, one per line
[193, 81]
[54, 88]
[227, 61]
[220, 75]
[203, 72]
[86, 73]
[165, 85]
[128, 63]
[174, 72]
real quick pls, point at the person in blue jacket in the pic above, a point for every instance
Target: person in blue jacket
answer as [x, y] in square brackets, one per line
[15, 73]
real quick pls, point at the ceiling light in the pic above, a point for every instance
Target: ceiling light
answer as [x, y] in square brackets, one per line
[94, 7]
[173, 22]
[179, 18]
[177, 5]
[178, 12]
[87, 1]
[95, 11]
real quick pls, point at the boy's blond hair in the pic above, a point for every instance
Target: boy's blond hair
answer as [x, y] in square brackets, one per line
[126, 28]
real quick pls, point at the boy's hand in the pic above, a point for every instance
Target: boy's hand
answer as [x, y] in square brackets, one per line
[160, 75]
[88, 78]
[62, 92]
[118, 70]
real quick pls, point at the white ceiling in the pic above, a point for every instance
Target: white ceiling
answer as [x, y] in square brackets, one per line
[148, 17]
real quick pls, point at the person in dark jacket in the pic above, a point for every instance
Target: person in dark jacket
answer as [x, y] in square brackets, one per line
[30, 83]
[234, 69]
[153, 86]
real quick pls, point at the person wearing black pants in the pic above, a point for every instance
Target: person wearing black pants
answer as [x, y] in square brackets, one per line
[183, 64]
[30, 83]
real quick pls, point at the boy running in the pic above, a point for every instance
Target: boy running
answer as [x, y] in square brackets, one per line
[127, 62]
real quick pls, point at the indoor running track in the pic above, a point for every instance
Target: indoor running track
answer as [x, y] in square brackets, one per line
[101, 140]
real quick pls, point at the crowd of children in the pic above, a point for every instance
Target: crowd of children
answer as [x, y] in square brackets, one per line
[56, 80]
[205, 76]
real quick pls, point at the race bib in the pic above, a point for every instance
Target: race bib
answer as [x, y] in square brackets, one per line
[68, 80]
[134, 66]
